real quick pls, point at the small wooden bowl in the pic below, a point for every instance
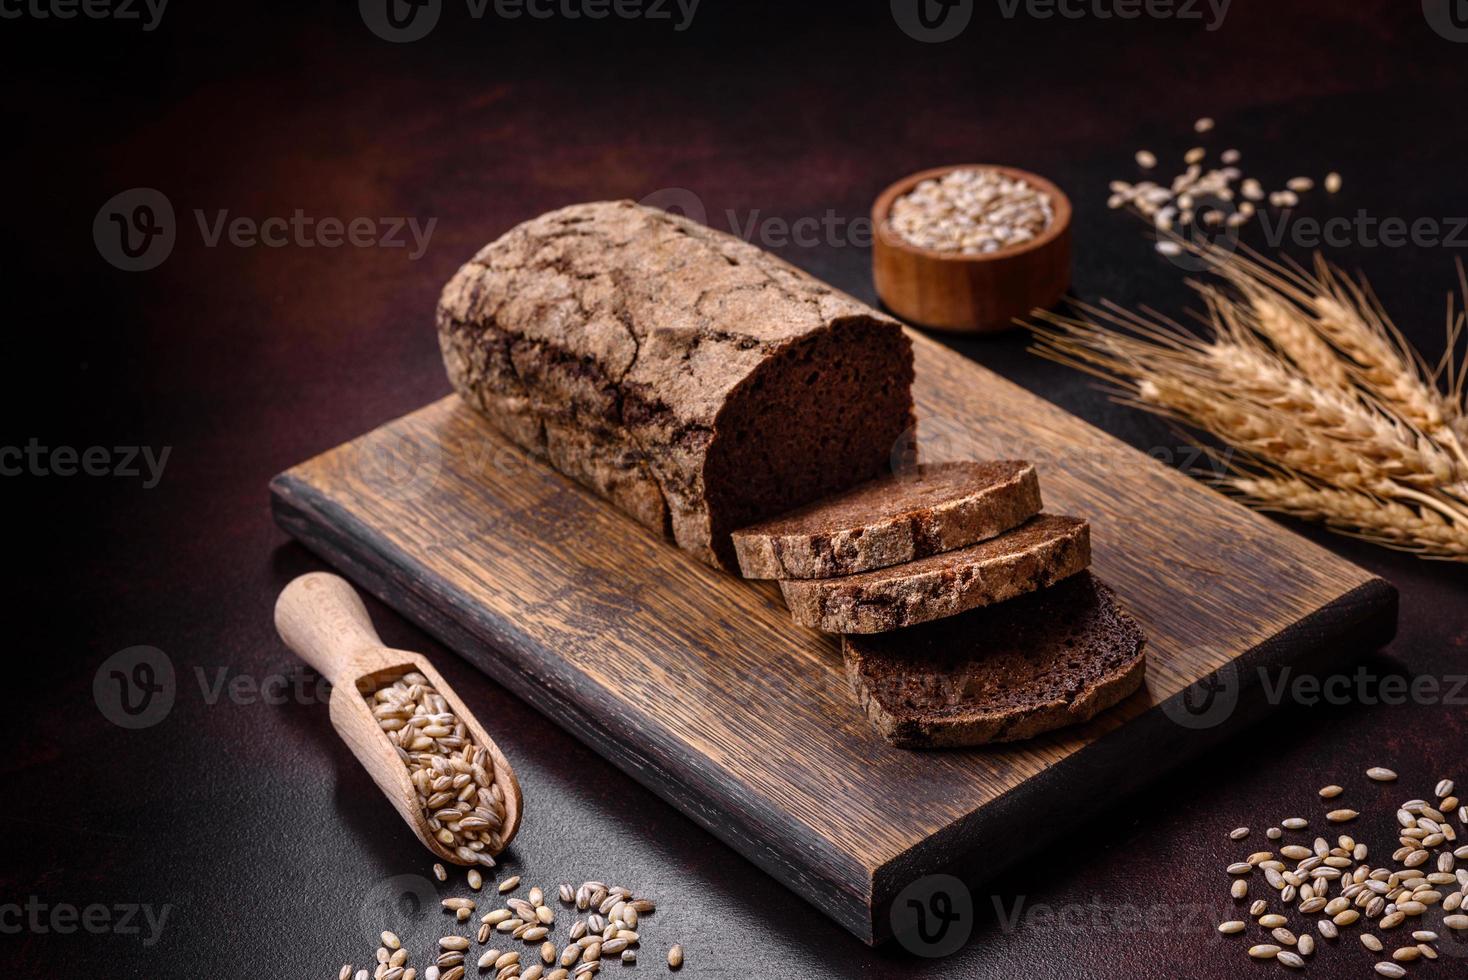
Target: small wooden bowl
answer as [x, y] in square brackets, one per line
[970, 293]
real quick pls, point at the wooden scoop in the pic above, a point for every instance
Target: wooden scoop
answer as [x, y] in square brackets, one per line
[322, 619]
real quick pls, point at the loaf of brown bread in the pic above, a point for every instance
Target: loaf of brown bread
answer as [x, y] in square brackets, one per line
[1055, 657]
[892, 519]
[1043, 550]
[694, 380]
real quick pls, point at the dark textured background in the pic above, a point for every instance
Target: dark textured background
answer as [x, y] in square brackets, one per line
[253, 821]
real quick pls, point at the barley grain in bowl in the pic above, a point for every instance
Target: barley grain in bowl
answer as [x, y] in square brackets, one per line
[971, 247]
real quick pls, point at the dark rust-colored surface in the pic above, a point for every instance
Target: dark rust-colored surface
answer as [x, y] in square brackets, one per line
[251, 819]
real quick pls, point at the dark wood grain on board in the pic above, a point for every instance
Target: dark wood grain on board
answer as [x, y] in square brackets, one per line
[700, 686]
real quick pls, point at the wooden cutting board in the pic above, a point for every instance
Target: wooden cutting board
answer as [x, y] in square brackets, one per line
[699, 685]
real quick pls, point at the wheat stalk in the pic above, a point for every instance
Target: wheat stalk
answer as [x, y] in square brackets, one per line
[1337, 417]
[1376, 519]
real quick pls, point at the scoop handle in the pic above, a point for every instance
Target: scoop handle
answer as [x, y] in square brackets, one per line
[321, 617]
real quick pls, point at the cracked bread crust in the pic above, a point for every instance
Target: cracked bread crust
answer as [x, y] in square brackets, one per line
[1056, 657]
[929, 509]
[1038, 553]
[648, 357]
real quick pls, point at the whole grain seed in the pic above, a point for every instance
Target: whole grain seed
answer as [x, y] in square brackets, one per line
[1390, 969]
[509, 884]
[1330, 792]
[1291, 960]
[440, 872]
[1274, 833]
[567, 894]
[1456, 922]
[455, 944]
[1231, 927]
[629, 956]
[534, 972]
[398, 958]
[547, 953]
[1306, 944]
[675, 957]
[1332, 182]
[1272, 920]
[1257, 909]
[513, 956]
[970, 211]
[1341, 816]
[1381, 774]
[1443, 789]
[1146, 159]
[1283, 936]
[476, 880]
[1239, 889]
[487, 958]
[1327, 928]
[1295, 823]
[1264, 951]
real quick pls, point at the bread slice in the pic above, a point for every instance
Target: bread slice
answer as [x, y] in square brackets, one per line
[1041, 551]
[894, 519]
[1052, 658]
